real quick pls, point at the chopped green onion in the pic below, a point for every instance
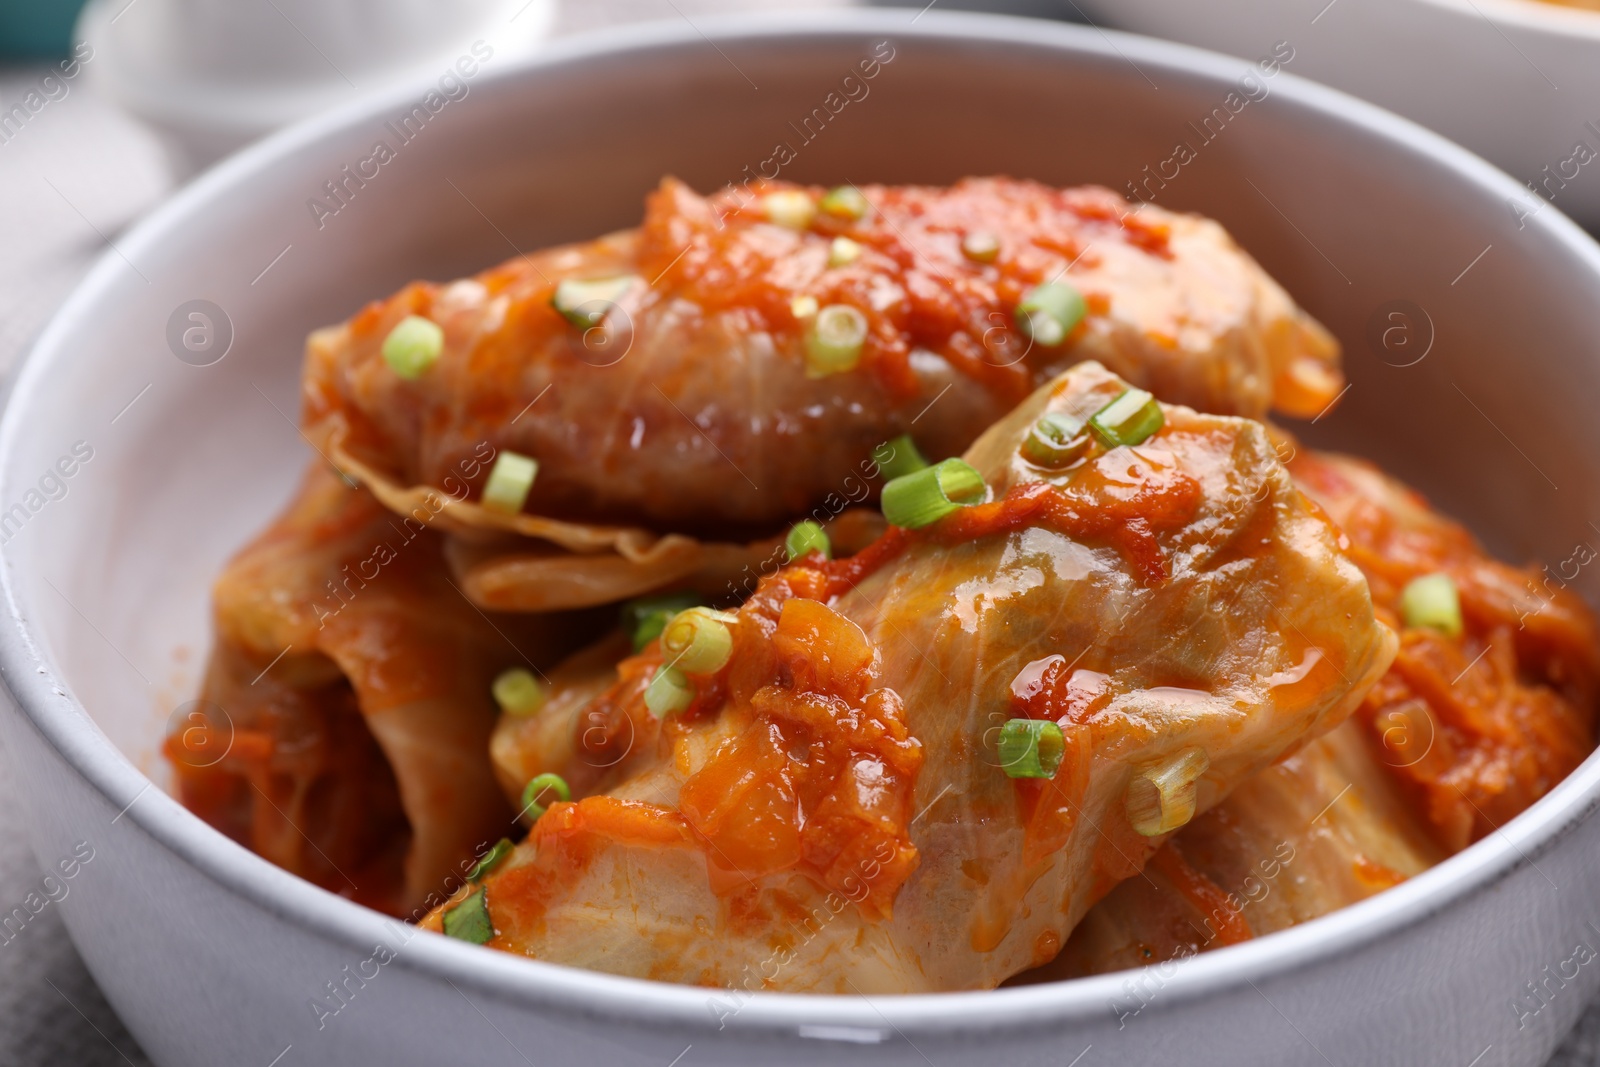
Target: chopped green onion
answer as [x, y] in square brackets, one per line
[843, 252]
[834, 342]
[541, 784]
[1432, 602]
[806, 536]
[586, 303]
[1161, 799]
[1056, 440]
[644, 619]
[845, 202]
[1031, 748]
[1050, 312]
[698, 640]
[490, 859]
[980, 247]
[898, 457]
[789, 207]
[923, 497]
[1130, 419]
[510, 479]
[803, 307]
[518, 692]
[413, 346]
[668, 693]
[469, 920]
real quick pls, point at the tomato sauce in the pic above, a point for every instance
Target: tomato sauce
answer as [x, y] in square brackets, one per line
[913, 282]
[1477, 727]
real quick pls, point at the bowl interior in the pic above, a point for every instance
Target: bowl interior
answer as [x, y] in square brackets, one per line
[1468, 332]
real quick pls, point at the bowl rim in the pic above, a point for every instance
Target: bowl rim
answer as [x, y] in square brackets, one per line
[64, 723]
[1527, 16]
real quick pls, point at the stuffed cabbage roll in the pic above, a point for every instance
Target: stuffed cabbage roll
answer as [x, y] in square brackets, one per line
[1464, 732]
[730, 363]
[914, 769]
[345, 716]
[1324, 828]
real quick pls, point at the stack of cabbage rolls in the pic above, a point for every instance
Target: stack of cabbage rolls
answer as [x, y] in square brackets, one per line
[868, 589]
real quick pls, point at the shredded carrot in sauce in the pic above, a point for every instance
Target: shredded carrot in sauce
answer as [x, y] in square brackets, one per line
[912, 245]
[1479, 727]
[1208, 898]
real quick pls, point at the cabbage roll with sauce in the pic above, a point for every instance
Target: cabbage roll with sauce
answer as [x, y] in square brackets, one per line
[346, 711]
[915, 768]
[733, 363]
[1464, 732]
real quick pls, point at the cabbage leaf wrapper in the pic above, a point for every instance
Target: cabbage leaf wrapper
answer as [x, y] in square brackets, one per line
[682, 401]
[830, 811]
[1461, 735]
[345, 717]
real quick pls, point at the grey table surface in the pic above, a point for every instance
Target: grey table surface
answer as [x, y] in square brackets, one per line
[68, 184]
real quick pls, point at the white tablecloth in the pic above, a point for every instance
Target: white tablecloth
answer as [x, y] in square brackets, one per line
[76, 175]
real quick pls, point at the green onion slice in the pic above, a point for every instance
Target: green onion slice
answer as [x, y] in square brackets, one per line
[668, 693]
[980, 247]
[923, 497]
[1160, 799]
[845, 202]
[698, 640]
[807, 536]
[518, 692]
[842, 252]
[1057, 440]
[541, 784]
[1049, 312]
[1031, 748]
[897, 458]
[413, 346]
[469, 920]
[1433, 602]
[510, 479]
[586, 303]
[491, 859]
[1130, 419]
[835, 340]
[803, 307]
[789, 207]
[644, 619]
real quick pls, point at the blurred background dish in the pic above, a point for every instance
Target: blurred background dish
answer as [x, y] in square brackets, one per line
[1517, 81]
[213, 75]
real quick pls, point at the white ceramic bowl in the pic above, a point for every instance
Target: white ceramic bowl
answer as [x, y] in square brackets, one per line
[213, 75]
[212, 955]
[1517, 81]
